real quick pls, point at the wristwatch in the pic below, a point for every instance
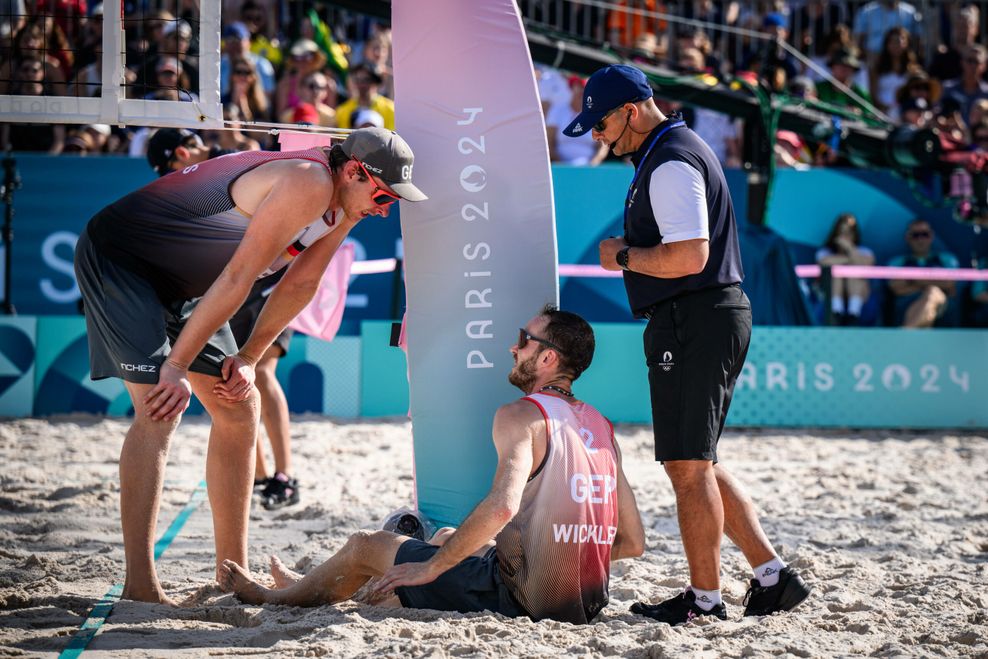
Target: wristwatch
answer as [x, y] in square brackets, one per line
[622, 258]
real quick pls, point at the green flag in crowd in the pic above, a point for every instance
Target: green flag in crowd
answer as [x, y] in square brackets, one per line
[335, 53]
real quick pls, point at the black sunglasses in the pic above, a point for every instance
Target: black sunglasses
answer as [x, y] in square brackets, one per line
[919, 234]
[599, 126]
[524, 336]
[243, 72]
[380, 196]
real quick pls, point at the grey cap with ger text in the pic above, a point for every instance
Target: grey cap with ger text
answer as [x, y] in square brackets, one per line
[387, 156]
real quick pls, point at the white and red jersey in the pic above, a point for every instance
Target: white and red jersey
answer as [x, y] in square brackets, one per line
[555, 554]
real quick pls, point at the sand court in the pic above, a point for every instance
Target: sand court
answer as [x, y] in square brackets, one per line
[890, 528]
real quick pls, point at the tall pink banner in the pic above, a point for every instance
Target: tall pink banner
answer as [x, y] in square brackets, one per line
[480, 254]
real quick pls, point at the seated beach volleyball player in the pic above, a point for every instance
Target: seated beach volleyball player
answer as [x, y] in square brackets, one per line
[163, 269]
[559, 510]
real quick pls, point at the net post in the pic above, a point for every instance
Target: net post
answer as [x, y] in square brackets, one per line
[209, 63]
[112, 89]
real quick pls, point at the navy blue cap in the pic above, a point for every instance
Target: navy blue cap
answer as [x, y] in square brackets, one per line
[774, 20]
[608, 88]
[162, 146]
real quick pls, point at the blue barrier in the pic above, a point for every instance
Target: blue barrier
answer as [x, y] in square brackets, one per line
[60, 194]
[878, 377]
[588, 208]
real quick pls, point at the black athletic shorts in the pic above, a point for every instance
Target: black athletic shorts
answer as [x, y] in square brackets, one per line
[474, 584]
[244, 320]
[695, 346]
[130, 330]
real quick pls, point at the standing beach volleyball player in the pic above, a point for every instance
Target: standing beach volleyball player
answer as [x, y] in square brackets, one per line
[682, 271]
[174, 149]
[164, 268]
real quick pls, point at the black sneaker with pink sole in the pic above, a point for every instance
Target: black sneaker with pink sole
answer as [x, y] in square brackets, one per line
[280, 491]
[678, 610]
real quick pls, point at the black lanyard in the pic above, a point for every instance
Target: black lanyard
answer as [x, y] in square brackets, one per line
[638, 169]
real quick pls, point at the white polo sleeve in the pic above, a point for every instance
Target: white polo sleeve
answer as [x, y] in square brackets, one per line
[679, 202]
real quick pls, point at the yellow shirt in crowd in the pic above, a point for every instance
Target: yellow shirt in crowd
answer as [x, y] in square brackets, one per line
[380, 104]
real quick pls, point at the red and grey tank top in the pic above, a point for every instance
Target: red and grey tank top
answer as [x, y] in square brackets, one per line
[181, 230]
[555, 554]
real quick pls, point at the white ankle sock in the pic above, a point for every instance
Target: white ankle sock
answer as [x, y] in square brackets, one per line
[837, 304]
[706, 599]
[854, 305]
[768, 573]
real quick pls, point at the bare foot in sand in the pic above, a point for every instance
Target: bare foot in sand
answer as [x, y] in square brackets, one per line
[153, 596]
[283, 577]
[234, 578]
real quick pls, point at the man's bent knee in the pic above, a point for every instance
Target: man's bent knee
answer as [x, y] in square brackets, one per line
[440, 537]
[358, 540]
[369, 551]
[687, 471]
[363, 542]
[383, 539]
[687, 466]
[266, 370]
[241, 411]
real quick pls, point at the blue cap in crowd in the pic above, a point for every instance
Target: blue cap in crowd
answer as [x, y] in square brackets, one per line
[236, 30]
[608, 88]
[774, 20]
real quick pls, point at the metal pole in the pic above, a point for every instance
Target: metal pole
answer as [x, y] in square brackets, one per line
[397, 290]
[11, 182]
[827, 284]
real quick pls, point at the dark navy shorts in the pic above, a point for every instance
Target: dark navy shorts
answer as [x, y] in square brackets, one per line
[242, 323]
[130, 330]
[695, 346]
[474, 584]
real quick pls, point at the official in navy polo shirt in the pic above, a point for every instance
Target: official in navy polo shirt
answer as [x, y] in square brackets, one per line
[682, 272]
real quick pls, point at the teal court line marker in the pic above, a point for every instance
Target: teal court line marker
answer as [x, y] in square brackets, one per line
[176, 526]
[91, 626]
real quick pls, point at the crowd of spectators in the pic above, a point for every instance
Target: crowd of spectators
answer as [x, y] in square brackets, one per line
[890, 61]
[280, 62]
[290, 63]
